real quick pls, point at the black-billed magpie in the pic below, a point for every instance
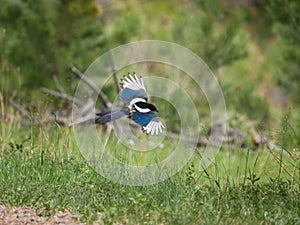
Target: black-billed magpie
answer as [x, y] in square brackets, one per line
[136, 106]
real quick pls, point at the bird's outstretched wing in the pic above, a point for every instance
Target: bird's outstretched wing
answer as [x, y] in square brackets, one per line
[132, 88]
[154, 126]
[150, 122]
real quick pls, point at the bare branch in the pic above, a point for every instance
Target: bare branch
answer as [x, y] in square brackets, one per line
[57, 84]
[61, 95]
[88, 82]
[87, 107]
[19, 108]
[87, 118]
[83, 114]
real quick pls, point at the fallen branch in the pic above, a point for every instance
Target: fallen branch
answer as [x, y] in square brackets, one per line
[57, 84]
[88, 82]
[87, 118]
[20, 109]
[83, 114]
[61, 95]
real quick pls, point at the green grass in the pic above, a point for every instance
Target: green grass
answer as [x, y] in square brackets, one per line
[42, 167]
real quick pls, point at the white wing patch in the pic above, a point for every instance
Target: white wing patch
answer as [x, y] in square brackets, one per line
[135, 100]
[154, 127]
[133, 82]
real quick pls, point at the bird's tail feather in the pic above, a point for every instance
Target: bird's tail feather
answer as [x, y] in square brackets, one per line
[105, 117]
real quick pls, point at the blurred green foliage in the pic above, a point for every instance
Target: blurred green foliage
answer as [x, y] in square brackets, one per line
[214, 33]
[246, 100]
[286, 17]
[43, 37]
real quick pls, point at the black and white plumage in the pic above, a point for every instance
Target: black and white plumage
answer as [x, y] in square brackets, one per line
[137, 107]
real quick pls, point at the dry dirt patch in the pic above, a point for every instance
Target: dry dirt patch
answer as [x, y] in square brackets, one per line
[23, 215]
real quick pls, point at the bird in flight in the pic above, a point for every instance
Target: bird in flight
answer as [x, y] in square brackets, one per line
[136, 106]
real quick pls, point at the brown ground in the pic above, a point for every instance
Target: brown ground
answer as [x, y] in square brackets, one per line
[24, 215]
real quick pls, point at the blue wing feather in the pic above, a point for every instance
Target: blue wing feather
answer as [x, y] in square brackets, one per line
[143, 118]
[126, 95]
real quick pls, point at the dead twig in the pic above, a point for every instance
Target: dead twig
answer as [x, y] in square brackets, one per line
[61, 95]
[82, 115]
[57, 84]
[87, 118]
[88, 82]
[20, 109]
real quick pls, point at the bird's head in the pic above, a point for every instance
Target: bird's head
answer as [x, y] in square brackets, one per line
[152, 107]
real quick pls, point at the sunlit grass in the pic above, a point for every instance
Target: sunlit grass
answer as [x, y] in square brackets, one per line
[42, 167]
